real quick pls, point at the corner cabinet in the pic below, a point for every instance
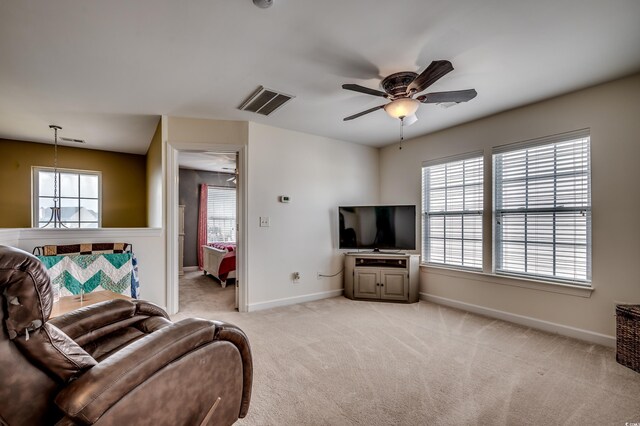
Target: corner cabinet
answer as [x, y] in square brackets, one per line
[377, 276]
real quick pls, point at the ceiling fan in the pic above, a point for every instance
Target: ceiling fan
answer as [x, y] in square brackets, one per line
[233, 178]
[401, 87]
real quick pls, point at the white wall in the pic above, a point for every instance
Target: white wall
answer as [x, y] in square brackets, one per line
[9, 237]
[193, 134]
[612, 112]
[319, 174]
[204, 132]
[145, 241]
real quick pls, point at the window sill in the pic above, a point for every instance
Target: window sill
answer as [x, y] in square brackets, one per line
[548, 286]
[80, 233]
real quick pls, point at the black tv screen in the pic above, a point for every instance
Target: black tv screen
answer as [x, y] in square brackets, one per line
[377, 227]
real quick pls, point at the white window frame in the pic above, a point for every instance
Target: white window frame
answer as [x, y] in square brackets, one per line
[225, 218]
[35, 170]
[584, 210]
[426, 255]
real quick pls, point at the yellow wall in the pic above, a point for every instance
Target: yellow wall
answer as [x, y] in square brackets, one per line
[154, 180]
[124, 198]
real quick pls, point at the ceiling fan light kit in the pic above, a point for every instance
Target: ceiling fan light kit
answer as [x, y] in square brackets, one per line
[263, 4]
[401, 87]
[402, 107]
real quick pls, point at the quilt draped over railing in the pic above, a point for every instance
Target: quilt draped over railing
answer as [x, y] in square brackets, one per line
[85, 273]
[82, 268]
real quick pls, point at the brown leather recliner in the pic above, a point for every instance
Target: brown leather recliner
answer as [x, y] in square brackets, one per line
[119, 362]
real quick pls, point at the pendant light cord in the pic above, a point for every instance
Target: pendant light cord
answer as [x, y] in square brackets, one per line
[55, 167]
[56, 217]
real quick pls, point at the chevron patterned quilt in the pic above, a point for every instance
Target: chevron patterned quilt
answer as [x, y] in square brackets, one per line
[92, 272]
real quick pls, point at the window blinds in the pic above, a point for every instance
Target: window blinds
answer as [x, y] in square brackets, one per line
[221, 214]
[452, 212]
[543, 208]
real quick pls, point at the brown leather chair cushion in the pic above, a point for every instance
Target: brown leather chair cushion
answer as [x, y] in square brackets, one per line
[55, 352]
[27, 289]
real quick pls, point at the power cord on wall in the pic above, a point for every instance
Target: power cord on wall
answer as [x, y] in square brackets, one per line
[330, 276]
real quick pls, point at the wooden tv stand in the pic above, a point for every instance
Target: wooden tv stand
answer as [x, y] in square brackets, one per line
[380, 276]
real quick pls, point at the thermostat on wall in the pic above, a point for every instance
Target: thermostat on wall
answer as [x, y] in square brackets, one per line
[284, 198]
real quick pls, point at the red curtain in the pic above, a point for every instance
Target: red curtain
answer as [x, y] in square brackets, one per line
[202, 222]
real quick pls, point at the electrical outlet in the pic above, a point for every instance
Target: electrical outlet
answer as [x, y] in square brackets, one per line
[295, 277]
[265, 221]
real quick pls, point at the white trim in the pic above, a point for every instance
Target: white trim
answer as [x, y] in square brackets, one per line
[171, 222]
[87, 233]
[551, 327]
[171, 209]
[545, 140]
[242, 271]
[453, 158]
[294, 300]
[510, 280]
[35, 191]
[190, 268]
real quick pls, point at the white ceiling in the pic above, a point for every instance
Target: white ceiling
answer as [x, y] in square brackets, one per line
[208, 161]
[106, 70]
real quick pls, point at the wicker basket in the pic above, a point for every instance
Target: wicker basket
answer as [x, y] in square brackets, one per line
[628, 336]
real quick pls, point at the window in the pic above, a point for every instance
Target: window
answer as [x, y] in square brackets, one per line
[221, 214]
[78, 197]
[543, 208]
[452, 211]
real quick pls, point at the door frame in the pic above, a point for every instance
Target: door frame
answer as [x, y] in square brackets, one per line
[172, 185]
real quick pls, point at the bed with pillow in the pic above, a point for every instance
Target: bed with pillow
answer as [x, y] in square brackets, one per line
[219, 260]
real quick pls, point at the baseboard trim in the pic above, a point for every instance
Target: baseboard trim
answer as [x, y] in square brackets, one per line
[294, 300]
[190, 268]
[551, 327]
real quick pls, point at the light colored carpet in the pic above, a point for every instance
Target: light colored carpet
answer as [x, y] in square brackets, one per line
[343, 362]
[202, 293]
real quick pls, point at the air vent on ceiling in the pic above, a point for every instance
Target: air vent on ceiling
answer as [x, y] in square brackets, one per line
[71, 140]
[265, 101]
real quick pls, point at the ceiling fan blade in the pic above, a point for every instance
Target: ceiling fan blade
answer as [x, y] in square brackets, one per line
[360, 114]
[365, 90]
[452, 96]
[433, 73]
[409, 120]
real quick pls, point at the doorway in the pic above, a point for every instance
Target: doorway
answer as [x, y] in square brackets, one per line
[173, 226]
[207, 223]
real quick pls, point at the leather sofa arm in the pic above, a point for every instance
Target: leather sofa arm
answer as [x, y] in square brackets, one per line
[86, 399]
[90, 318]
[233, 334]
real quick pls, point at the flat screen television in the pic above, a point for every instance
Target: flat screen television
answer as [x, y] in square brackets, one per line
[377, 227]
